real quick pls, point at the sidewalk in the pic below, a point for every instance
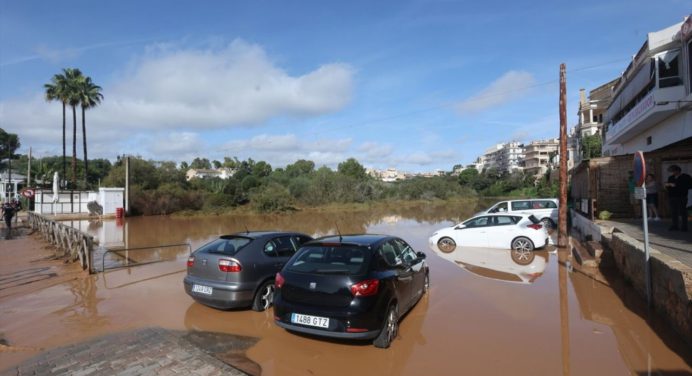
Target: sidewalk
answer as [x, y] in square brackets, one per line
[675, 244]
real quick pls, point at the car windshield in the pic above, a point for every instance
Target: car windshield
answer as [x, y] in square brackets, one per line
[227, 245]
[330, 260]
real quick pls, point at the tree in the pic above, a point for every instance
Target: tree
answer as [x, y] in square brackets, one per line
[72, 96]
[591, 146]
[300, 167]
[200, 164]
[352, 168]
[261, 169]
[57, 89]
[89, 97]
[9, 143]
[468, 176]
[217, 165]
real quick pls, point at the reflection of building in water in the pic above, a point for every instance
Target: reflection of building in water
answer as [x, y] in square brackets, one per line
[108, 233]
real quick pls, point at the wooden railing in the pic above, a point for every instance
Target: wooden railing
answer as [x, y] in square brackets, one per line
[69, 242]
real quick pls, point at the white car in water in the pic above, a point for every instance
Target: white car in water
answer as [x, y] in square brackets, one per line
[522, 232]
[545, 209]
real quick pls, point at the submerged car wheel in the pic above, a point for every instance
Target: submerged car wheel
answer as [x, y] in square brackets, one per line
[264, 297]
[446, 244]
[426, 283]
[522, 244]
[389, 330]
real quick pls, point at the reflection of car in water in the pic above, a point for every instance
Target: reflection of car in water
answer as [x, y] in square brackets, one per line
[505, 265]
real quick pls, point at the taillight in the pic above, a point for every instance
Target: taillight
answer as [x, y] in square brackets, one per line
[191, 261]
[535, 226]
[279, 280]
[365, 288]
[229, 266]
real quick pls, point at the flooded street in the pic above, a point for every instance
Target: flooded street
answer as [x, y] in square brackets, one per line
[486, 312]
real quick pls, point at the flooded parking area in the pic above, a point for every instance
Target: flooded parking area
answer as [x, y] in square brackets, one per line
[488, 311]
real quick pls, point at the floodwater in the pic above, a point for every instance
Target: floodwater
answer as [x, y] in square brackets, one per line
[486, 312]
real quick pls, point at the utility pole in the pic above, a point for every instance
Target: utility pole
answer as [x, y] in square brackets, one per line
[28, 170]
[127, 185]
[562, 211]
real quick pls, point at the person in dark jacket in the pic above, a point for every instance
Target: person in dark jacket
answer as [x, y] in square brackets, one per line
[678, 184]
[7, 214]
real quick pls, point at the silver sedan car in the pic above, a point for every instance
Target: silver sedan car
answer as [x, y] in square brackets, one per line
[238, 270]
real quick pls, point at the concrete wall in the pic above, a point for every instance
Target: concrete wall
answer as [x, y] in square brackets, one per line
[671, 280]
[585, 227]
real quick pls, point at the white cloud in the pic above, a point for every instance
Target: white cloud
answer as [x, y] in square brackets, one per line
[375, 151]
[510, 86]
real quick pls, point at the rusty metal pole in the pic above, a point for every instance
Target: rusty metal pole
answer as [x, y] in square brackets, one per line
[562, 211]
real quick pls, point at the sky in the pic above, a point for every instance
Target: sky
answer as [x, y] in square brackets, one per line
[415, 85]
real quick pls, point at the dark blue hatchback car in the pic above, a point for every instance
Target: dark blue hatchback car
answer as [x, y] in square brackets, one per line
[351, 286]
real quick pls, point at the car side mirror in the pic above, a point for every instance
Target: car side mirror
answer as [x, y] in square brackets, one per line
[459, 227]
[421, 255]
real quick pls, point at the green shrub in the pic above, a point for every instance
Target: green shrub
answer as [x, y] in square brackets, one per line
[604, 215]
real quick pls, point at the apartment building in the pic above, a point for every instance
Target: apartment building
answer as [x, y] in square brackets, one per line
[652, 100]
[591, 111]
[505, 157]
[538, 154]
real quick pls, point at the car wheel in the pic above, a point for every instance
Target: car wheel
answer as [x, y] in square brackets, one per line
[264, 297]
[446, 244]
[389, 329]
[548, 223]
[426, 283]
[522, 256]
[522, 244]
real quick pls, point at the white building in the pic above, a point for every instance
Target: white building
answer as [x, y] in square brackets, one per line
[591, 111]
[502, 157]
[199, 173]
[652, 100]
[10, 187]
[537, 156]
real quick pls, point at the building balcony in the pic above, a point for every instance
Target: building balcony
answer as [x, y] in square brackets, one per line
[656, 106]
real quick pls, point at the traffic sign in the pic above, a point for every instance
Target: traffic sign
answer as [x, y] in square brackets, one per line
[28, 193]
[639, 169]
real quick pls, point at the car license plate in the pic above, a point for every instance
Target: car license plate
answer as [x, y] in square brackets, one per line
[320, 322]
[202, 289]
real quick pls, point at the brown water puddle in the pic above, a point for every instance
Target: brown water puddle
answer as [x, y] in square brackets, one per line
[482, 315]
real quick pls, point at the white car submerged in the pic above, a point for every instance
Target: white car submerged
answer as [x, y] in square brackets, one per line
[545, 209]
[521, 232]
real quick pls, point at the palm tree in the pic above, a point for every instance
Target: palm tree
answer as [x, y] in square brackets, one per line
[72, 95]
[90, 96]
[57, 90]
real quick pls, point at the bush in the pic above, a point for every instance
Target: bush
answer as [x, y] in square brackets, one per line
[604, 215]
[270, 198]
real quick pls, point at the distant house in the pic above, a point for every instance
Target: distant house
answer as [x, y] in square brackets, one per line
[10, 188]
[201, 173]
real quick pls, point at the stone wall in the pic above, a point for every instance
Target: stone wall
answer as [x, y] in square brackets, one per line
[671, 280]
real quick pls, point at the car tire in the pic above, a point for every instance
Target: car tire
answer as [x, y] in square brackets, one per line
[389, 328]
[446, 244]
[426, 283]
[522, 244]
[264, 297]
[548, 223]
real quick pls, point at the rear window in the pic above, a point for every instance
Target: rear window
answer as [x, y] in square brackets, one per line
[533, 219]
[226, 245]
[330, 260]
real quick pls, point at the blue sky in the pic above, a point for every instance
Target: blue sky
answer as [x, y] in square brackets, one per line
[417, 85]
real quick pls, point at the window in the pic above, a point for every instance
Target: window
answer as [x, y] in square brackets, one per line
[520, 205]
[505, 220]
[225, 245]
[390, 253]
[501, 207]
[669, 69]
[648, 140]
[407, 253]
[280, 247]
[689, 63]
[330, 260]
[477, 222]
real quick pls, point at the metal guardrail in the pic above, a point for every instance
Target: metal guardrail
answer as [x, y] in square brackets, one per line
[103, 257]
[70, 243]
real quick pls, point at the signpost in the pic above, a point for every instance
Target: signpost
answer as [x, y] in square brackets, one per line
[639, 169]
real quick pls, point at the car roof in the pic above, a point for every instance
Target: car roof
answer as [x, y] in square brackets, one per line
[362, 240]
[263, 234]
[532, 199]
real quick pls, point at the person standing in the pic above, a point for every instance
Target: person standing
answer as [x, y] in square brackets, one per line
[7, 214]
[678, 184]
[652, 197]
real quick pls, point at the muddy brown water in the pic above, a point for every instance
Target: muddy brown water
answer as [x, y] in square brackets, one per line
[486, 313]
